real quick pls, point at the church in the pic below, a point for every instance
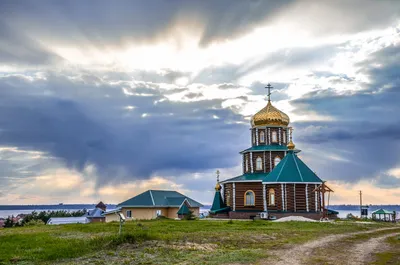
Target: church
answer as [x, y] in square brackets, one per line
[275, 181]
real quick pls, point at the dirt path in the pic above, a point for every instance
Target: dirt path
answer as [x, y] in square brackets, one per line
[299, 254]
[363, 251]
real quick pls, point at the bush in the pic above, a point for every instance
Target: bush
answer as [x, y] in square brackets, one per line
[34, 223]
[189, 216]
[9, 222]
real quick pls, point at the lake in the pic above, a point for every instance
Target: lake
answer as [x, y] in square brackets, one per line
[4, 213]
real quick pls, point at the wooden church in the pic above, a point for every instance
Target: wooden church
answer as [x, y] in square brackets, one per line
[275, 182]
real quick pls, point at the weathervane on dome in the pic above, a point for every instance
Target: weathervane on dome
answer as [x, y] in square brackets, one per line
[269, 91]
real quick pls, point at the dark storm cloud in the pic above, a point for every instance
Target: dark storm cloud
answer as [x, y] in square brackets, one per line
[365, 132]
[75, 121]
[98, 24]
[105, 22]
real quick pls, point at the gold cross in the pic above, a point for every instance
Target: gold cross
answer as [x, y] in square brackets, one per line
[291, 132]
[269, 91]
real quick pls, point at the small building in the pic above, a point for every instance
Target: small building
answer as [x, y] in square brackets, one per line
[95, 215]
[154, 203]
[67, 220]
[384, 215]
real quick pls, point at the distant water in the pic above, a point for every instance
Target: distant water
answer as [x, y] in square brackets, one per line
[6, 210]
[14, 210]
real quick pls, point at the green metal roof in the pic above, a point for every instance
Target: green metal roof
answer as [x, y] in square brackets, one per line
[183, 210]
[218, 203]
[275, 147]
[159, 198]
[254, 177]
[382, 211]
[292, 169]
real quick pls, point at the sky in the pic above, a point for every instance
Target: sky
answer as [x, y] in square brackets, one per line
[101, 100]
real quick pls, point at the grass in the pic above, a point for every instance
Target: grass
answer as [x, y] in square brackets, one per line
[390, 256]
[159, 241]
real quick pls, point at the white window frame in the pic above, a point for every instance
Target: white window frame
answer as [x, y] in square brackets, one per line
[128, 213]
[262, 137]
[271, 200]
[252, 197]
[274, 137]
[284, 136]
[246, 166]
[259, 163]
[158, 212]
[276, 159]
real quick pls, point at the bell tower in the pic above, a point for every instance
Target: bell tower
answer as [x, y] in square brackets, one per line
[269, 139]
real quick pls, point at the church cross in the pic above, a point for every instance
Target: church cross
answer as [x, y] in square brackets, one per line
[291, 133]
[269, 91]
[217, 175]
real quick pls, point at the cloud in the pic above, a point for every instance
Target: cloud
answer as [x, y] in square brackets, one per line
[18, 49]
[71, 119]
[364, 131]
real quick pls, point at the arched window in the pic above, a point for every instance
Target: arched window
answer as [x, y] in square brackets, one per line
[262, 137]
[246, 166]
[249, 198]
[277, 160]
[284, 136]
[271, 193]
[259, 163]
[274, 137]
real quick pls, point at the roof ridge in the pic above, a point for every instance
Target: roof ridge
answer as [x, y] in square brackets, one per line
[283, 165]
[298, 169]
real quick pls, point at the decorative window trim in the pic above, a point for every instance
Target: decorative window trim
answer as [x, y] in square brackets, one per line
[271, 192]
[275, 164]
[262, 137]
[259, 163]
[274, 137]
[246, 166]
[254, 198]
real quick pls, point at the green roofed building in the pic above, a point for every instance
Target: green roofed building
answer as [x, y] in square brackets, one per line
[275, 181]
[153, 203]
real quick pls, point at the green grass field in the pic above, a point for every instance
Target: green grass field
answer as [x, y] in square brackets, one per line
[160, 241]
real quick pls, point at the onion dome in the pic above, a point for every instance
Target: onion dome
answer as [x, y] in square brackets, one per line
[291, 145]
[218, 187]
[270, 115]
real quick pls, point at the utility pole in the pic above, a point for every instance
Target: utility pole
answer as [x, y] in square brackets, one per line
[360, 203]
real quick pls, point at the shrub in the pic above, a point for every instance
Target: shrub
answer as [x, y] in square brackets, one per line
[189, 216]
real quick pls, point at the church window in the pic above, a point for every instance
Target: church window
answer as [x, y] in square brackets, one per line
[262, 137]
[277, 160]
[158, 212]
[271, 193]
[274, 137]
[129, 214]
[259, 163]
[249, 198]
[284, 136]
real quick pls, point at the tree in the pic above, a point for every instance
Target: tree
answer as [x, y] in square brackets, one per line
[9, 222]
[189, 216]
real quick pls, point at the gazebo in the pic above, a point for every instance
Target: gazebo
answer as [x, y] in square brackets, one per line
[384, 215]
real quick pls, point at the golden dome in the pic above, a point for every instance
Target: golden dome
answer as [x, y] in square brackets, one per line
[218, 187]
[291, 145]
[270, 115]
